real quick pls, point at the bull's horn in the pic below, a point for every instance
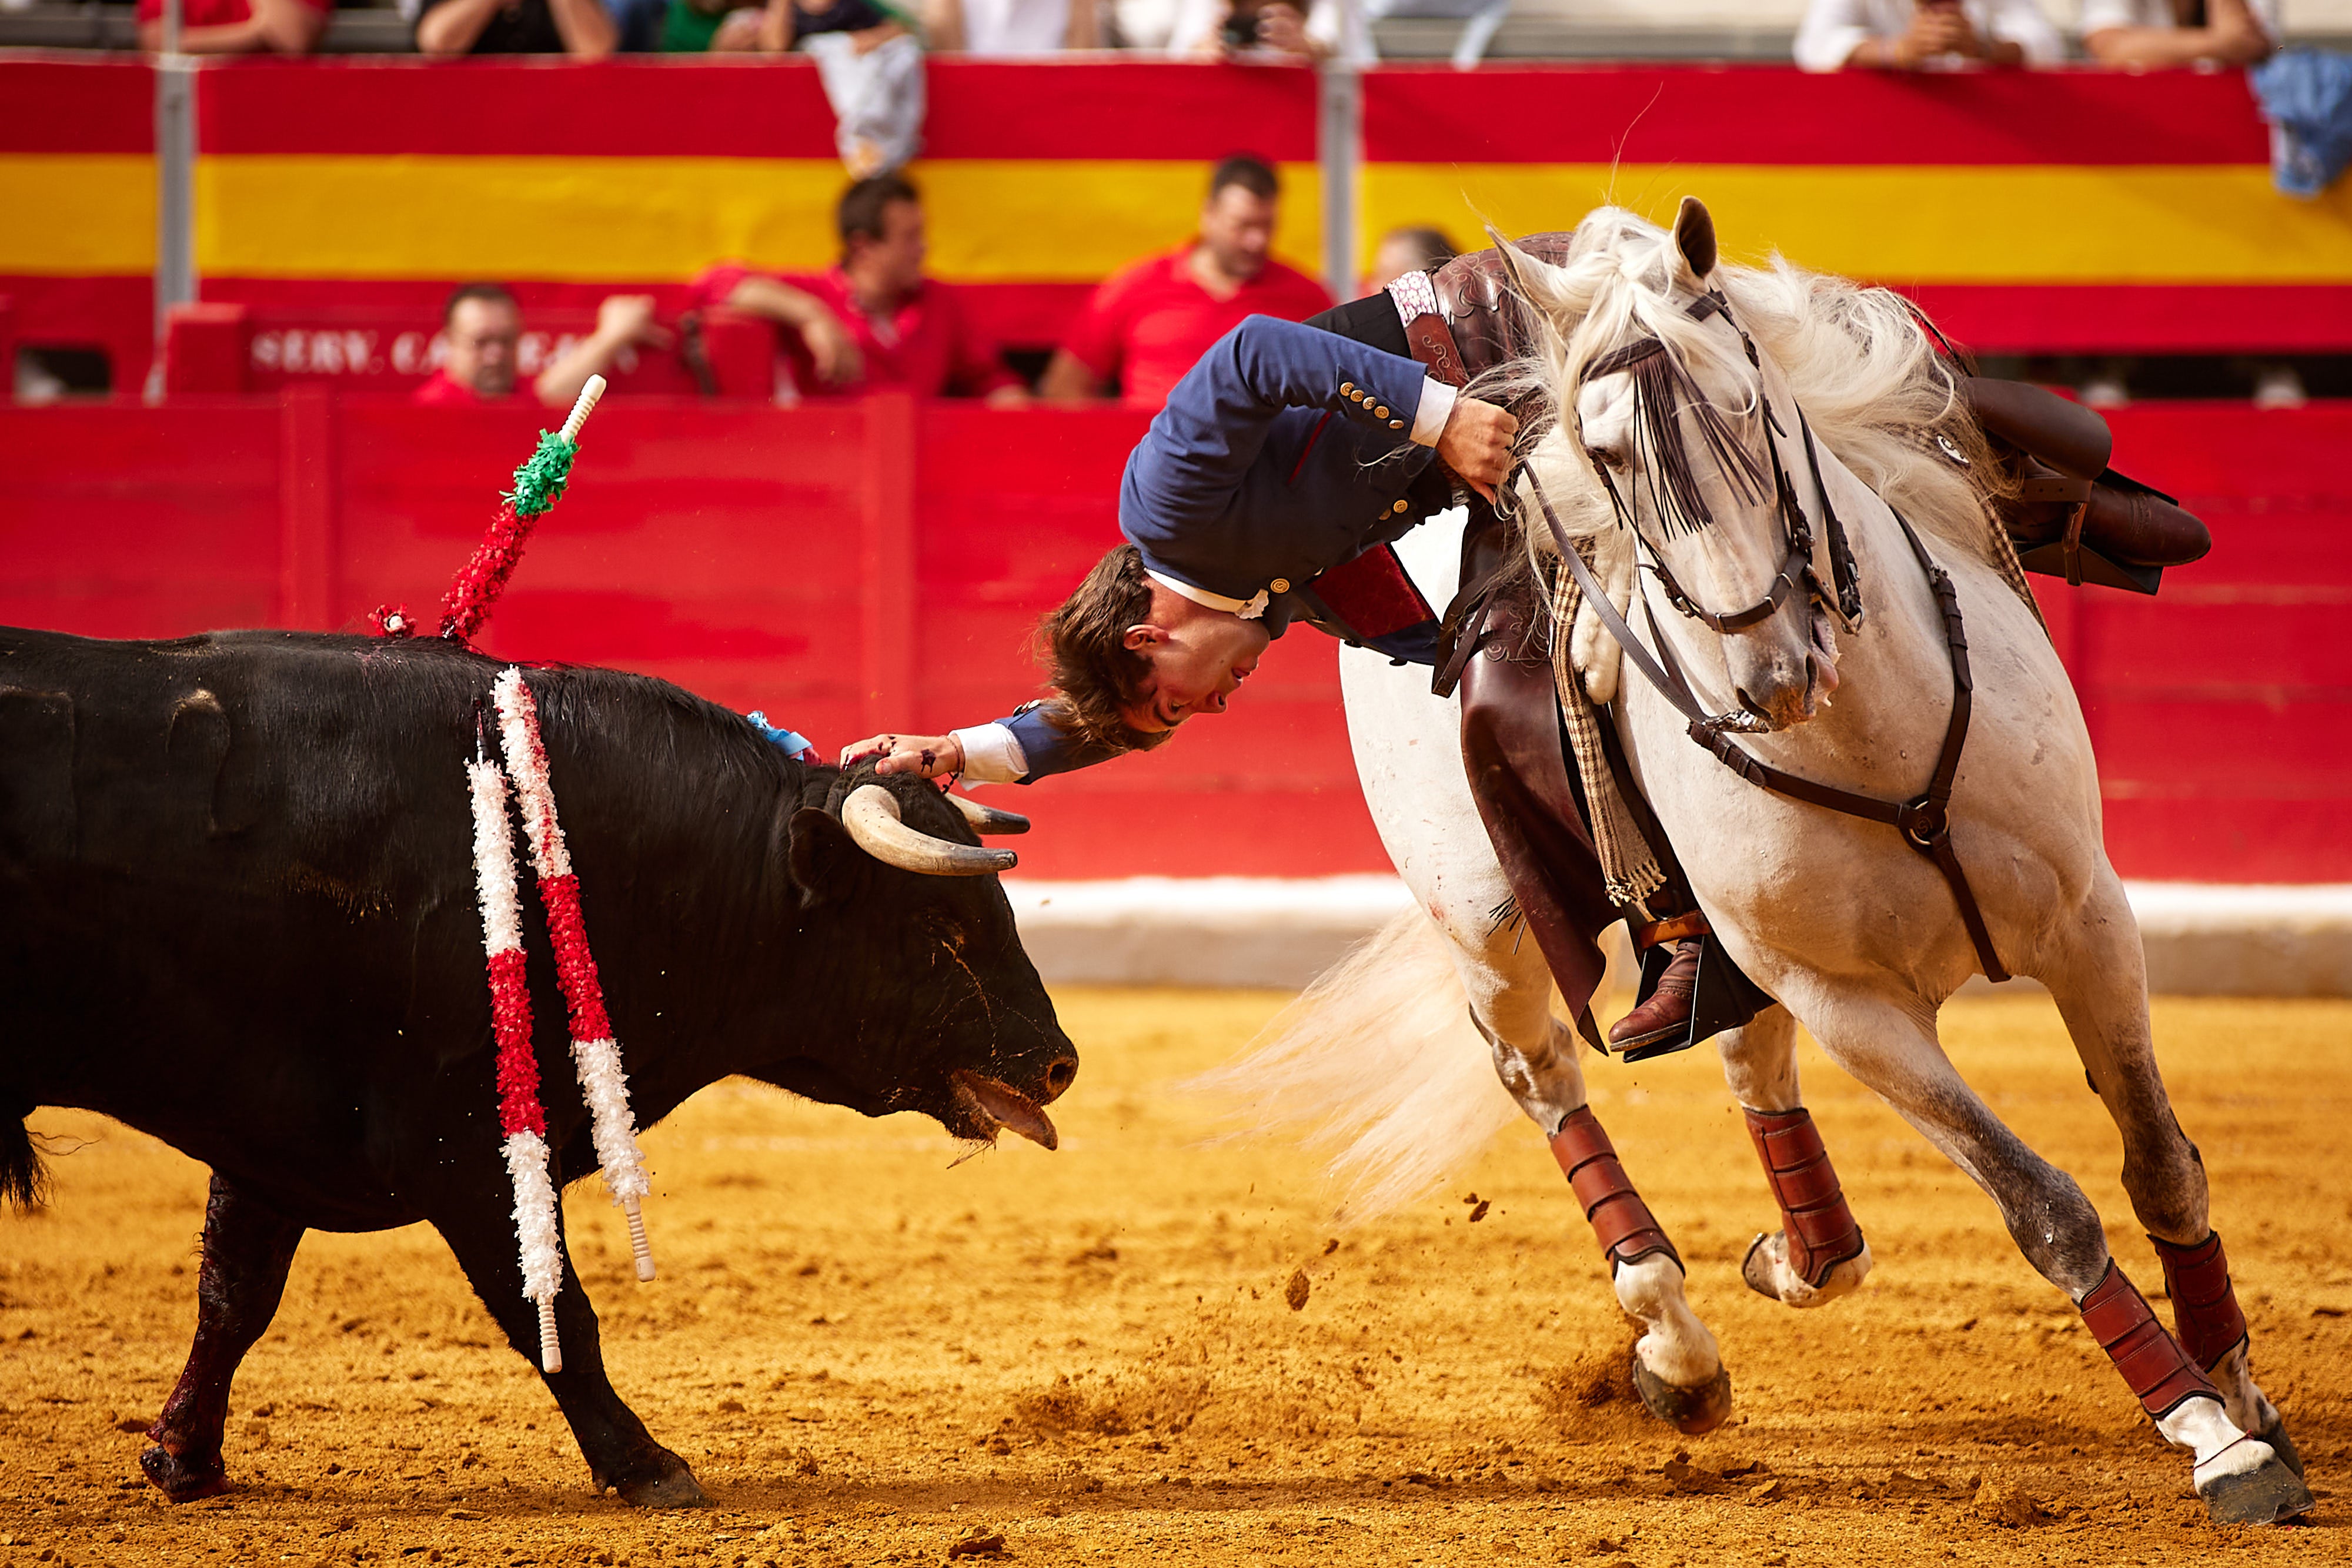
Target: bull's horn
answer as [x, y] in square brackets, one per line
[988, 819]
[871, 815]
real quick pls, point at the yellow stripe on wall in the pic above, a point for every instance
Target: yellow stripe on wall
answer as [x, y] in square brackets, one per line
[1946, 224]
[76, 213]
[593, 219]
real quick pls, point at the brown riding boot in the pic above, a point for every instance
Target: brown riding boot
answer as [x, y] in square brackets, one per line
[1667, 1013]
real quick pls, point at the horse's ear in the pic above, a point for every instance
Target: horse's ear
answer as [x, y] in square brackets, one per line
[1694, 237]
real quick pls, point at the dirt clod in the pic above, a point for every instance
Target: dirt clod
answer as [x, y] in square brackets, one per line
[990, 1544]
[1294, 1290]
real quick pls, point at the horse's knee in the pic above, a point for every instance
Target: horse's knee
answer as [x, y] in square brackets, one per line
[2058, 1230]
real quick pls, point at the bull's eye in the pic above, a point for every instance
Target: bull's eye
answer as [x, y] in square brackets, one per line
[948, 933]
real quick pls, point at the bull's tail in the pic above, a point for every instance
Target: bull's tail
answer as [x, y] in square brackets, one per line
[1378, 1061]
[24, 1180]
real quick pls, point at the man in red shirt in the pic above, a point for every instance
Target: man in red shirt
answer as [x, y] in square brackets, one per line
[1152, 322]
[874, 320]
[481, 333]
[237, 26]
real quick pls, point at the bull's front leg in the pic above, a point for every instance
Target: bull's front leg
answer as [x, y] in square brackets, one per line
[620, 1452]
[248, 1248]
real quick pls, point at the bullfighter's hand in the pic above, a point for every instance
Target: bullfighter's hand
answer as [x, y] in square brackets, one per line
[831, 349]
[924, 756]
[1476, 443]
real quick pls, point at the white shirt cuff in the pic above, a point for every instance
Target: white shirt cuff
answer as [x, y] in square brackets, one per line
[992, 755]
[1436, 408]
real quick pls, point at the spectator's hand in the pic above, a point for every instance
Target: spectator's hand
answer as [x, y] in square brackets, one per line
[1936, 29]
[738, 32]
[924, 756]
[2237, 38]
[833, 350]
[1476, 443]
[1009, 397]
[1280, 26]
[629, 318]
[865, 40]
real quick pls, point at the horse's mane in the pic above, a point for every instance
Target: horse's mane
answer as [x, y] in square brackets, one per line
[1858, 360]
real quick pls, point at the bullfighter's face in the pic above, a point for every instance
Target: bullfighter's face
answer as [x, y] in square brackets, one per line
[1199, 658]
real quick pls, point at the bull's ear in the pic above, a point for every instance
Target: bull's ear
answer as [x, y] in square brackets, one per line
[825, 861]
[1694, 237]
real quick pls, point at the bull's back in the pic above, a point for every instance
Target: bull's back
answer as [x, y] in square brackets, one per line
[232, 870]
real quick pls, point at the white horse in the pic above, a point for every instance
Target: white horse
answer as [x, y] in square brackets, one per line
[1853, 934]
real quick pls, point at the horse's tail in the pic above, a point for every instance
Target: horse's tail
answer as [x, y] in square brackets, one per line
[1378, 1061]
[24, 1181]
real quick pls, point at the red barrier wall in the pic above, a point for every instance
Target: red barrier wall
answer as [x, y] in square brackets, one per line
[858, 566]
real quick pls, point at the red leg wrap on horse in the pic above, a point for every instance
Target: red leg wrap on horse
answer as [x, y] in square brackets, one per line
[2204, 1305]
[1627, 1229]
[1814, 1218]
[2154, 1366]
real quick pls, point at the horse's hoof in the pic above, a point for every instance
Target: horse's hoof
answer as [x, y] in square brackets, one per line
[1692, 1411]
[2264, 1495]
[1766, 1273]
[671, 1488]
[2281, 1444]
[181, 1479]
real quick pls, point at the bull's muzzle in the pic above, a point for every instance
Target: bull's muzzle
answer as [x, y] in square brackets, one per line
[1004, 1106]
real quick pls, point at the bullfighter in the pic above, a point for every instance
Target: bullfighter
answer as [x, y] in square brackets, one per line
[1266, 493]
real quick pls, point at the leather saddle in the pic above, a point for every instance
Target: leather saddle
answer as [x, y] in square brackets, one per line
[2074, 517]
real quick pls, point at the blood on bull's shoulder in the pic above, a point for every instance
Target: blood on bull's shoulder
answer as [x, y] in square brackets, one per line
[239, 915]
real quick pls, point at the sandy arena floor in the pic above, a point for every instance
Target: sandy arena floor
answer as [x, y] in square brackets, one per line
[869, 1357]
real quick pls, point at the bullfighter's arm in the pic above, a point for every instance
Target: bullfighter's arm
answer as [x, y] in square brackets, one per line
[1218, 417]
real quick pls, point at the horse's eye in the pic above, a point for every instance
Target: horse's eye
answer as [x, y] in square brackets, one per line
[1605, 457]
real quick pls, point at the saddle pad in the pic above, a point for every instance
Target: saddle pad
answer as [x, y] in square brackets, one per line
[1372, 594]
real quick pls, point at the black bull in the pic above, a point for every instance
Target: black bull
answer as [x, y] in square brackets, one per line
[237, 912]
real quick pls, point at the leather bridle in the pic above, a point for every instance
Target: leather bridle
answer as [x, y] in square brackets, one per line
[1923, 821]
[1797, 567]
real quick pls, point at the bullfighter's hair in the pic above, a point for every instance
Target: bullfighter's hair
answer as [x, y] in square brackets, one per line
[1083, 641]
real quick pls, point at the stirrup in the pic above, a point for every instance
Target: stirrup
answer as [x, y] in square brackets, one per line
[1722, 998]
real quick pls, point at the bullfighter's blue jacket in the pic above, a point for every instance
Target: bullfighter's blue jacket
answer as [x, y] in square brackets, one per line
[1285, 452]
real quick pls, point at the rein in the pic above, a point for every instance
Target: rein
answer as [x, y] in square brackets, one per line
[1923, 821]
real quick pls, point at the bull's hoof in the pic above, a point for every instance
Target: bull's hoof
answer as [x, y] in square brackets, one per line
[1692, 1411]
[183, 1478]
[2265, 1494]
[2281, 1444]
[673, 1486]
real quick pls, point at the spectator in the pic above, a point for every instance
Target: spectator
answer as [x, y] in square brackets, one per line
[237, 26]
[1148, 324]
[2179, 32]
[1915, 35]
[703, 27]
[1002, 28]
[1145, 25]
[481, 329]
[1407, 250]
[788, 24]
[1308, 29]
[874, 320]
[583, 28]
